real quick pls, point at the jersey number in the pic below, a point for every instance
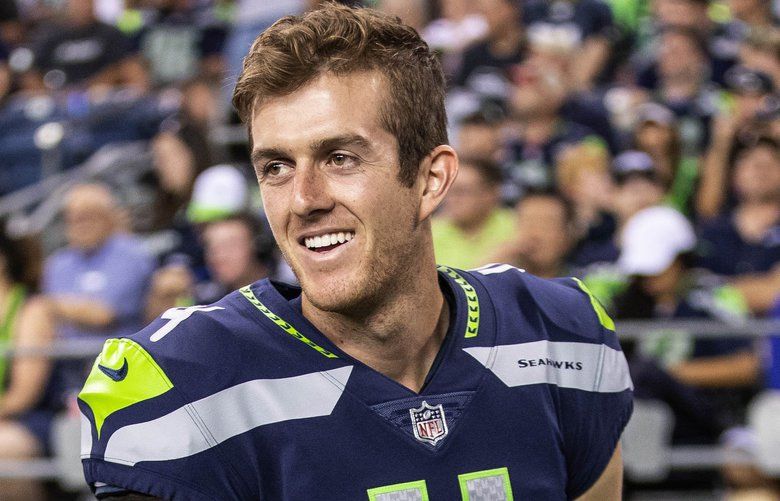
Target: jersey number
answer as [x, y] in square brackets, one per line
[175, 316]
[475, 486]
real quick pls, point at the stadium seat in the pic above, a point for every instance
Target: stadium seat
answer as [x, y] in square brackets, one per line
[764, 420]
[647, 441]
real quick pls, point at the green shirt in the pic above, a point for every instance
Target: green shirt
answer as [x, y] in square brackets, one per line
[455, 248]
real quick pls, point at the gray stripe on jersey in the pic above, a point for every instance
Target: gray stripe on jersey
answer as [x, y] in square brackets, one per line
[584, 366]
[86, 436]
[413, 494]
[205, 423]
[486, 488]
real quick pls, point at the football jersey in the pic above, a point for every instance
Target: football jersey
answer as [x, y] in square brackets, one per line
[246, 399]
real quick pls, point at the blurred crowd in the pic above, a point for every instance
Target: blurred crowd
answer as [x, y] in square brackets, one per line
[630, 143]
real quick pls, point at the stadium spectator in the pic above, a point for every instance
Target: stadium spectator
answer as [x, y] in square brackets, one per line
[683, 86]
[657, 134]
[636, 187]
[458, 27]
[540, 131]
[638, 184]
[237, 252]
[735, 124]
[744, 243]
[656, 252]
[583, 179]
[543, 235]
[472, 225]
[180, 40]
[585, 25]
[760, 51]
[479, 136]
[749, 15]
[719, 44]
[27, 404]
[503, 47]
[80, 50]
[96, 286]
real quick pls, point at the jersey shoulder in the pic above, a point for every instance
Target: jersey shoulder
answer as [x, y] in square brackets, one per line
[555, 307]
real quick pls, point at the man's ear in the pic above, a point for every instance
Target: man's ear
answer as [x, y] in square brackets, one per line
[438, 172]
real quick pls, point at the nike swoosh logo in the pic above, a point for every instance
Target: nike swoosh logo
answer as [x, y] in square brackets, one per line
[115, 374]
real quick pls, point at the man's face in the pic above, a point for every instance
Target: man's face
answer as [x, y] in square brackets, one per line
[757, 175]
[634, 194]
[471, 198]
[542, 231]
[679, 56]
[87, 224]
[228, 251]
[328, 174]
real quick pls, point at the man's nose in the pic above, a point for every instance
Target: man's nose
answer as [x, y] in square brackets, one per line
[310, 192]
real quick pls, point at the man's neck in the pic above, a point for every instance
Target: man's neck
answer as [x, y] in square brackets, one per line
[402, 333]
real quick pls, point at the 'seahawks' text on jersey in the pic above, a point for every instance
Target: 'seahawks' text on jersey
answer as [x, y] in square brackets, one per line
[245, 399]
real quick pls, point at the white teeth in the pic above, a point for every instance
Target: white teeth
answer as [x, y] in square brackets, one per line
[328, 239]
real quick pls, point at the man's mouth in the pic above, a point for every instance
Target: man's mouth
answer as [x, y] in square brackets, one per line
[327, 241]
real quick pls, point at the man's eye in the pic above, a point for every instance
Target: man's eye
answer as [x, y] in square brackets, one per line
[274, 169]
[342, 160]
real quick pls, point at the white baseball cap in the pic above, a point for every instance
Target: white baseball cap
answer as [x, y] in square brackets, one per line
[652, 239]
[218, 192]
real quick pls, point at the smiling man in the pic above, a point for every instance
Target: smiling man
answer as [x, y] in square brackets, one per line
[382, 377]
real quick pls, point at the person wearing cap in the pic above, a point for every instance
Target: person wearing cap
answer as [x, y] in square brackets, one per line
[637, 184]
[657, 245]
[218, 192]
[656, 132]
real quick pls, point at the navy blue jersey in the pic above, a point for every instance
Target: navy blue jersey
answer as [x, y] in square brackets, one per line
[245, 399]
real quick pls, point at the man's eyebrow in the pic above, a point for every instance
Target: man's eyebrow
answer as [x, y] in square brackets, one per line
[333, 143]
[263, 153]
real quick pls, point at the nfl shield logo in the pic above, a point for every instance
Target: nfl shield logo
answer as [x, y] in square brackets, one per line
[429, 423]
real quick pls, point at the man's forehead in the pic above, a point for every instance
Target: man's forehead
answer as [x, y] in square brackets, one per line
[330, 105]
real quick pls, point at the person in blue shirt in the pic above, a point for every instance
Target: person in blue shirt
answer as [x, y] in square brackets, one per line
[95, 286]
[381, 377]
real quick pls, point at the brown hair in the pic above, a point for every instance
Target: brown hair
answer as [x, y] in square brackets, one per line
[344, 40]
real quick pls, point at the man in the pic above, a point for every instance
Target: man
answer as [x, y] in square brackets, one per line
[472, 225]
[381, 379]
[80, 50]
[97, 284]
[234, 256]
[543, 236]
[744, 242]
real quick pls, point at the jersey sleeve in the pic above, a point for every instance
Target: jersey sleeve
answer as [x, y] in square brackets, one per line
[594, 400]
[142, 427]
[592, 420]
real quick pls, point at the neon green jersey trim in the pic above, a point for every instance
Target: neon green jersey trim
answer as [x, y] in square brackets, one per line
[604, 318]
[142, 379]
[419, 485]
[285, 326]
[464, 479]
[472, 301]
